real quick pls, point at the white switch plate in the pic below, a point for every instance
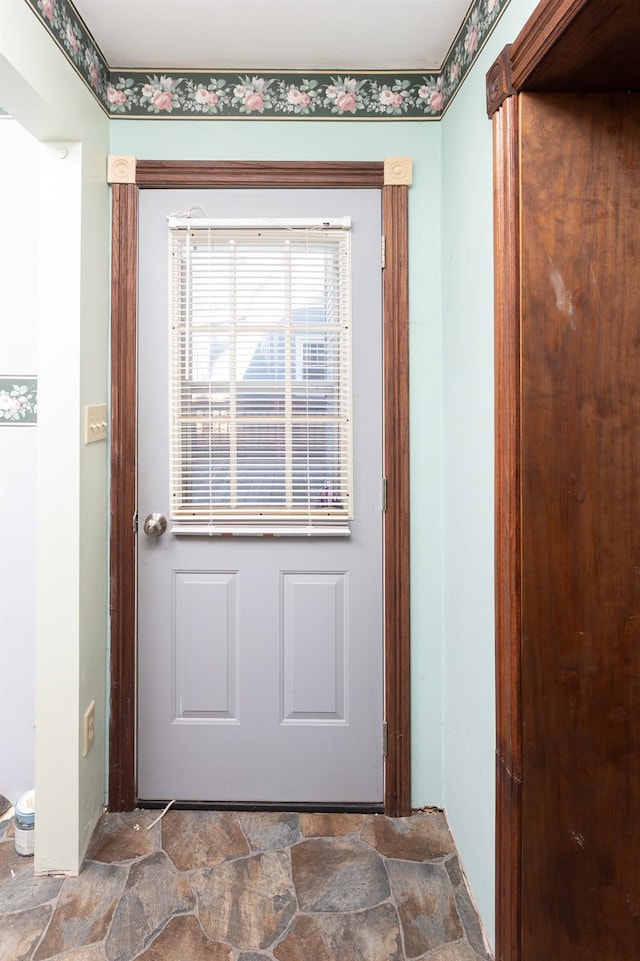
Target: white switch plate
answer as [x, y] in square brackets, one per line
[95, 423]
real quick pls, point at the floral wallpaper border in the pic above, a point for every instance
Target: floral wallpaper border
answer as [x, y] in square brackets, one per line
[257, 94]
[18, 401]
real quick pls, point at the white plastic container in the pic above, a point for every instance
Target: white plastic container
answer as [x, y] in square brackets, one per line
[25, 823]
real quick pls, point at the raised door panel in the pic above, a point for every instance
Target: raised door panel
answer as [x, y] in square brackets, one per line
[314, 655]
[205, 644]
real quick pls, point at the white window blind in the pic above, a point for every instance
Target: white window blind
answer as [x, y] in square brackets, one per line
[260, 362]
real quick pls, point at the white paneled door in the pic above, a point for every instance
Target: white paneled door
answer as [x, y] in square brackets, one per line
[260, 605]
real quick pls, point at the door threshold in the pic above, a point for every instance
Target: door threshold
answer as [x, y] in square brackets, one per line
[306, 807]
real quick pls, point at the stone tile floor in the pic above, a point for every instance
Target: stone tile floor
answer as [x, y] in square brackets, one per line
[210, 886]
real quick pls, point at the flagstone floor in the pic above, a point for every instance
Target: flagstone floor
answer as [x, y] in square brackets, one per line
[219, 886]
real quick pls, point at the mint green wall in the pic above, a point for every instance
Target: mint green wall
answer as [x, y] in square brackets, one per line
[467, 361]
[272, 140]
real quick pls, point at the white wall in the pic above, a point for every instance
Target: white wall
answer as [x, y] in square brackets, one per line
[42, 91]
[467, 360]
[18, 356]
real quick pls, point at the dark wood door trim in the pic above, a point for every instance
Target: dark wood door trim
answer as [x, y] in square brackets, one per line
[566, 45]
[507, 532]
[250, 173]
[573, 45]
[546, 27]
[122, 564]
[122, 769]
[396, 446]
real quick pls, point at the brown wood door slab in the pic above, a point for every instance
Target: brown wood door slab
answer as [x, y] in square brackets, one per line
[580, 503]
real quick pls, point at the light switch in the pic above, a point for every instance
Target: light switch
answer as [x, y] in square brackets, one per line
[95, 423]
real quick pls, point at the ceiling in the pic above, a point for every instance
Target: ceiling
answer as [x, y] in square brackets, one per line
[355, 35]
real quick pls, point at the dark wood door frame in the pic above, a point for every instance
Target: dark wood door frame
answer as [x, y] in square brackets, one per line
[164, 174]
[565, 46]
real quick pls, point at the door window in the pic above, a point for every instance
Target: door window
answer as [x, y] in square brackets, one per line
[260, 361]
